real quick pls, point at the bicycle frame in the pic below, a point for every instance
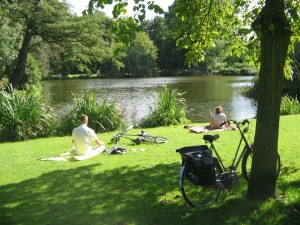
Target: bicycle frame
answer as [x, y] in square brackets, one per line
[141, 137]
[123, 135]
[237, 159]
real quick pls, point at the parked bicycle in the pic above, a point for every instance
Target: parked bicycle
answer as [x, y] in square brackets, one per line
[138, 138]
[202, 177]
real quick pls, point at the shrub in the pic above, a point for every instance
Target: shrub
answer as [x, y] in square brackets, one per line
[103, 116]
[289, 106]
[24, 115]
[170, 109]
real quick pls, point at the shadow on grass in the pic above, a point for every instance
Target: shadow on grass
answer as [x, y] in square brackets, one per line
[125, 195]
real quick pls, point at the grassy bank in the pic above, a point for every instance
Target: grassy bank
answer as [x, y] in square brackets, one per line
[139, 187]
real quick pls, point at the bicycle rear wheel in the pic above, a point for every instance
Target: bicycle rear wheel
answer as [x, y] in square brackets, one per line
[154, 139]
[193, 194]
[247, 163]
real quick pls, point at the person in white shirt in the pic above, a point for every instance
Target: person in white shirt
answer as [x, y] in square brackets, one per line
[82, 136]
[218, 118]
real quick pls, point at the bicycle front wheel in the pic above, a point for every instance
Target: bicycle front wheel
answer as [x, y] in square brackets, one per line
[154, 139]
[247, 163]
[195, 195]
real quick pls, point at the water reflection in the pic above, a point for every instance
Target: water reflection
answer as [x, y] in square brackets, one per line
[202, 94]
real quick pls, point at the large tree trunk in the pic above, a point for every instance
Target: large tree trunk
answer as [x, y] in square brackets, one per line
[274, 32]
[21, 61]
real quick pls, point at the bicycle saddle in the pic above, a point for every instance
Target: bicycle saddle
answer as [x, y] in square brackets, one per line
[211, 138]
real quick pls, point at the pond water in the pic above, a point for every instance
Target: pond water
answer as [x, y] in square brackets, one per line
[202, 94]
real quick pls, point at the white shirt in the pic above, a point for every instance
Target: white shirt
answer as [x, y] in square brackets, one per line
[83, 136]
[218, 118]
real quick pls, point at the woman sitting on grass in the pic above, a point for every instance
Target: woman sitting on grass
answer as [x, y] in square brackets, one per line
[218, 119]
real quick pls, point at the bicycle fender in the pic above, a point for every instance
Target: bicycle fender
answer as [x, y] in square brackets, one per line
[180, 176]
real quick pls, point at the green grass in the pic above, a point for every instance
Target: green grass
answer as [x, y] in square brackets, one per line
[137, 188]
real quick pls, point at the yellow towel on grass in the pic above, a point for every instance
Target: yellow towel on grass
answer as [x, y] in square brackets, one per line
[70, 155]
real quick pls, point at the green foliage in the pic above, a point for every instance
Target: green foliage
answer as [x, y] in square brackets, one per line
[51, 22]
[161, 30]
[169, 110]
[218, 60]
[103, 115]
[120, 8]
[289, 105]
[125, 27]
[201, 24]
[86, 52]
[33, 73]
[140, 59]
[10, 36]
[24, 115]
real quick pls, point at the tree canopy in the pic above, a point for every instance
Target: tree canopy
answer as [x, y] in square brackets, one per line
[49, 25]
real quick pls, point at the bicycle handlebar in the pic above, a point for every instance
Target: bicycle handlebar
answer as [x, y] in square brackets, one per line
[123, 131]
[236, 122]
[245, 121]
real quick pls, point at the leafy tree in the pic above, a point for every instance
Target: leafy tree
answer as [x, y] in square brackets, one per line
[161, 33]
[219, 60]
[273, 28]
[49, 21]
[87, 54]
[272, 21]
[141, 56]
[10, 42]
[125, 28]
[37, 19]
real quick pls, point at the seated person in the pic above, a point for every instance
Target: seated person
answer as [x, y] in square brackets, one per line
[82, 137]
[217, 119]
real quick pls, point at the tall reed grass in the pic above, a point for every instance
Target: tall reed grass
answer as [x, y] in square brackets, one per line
[103, 116]
[170, 109]
[24, 115]
[289, 105]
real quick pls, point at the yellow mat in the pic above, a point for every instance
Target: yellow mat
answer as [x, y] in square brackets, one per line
[70, 156]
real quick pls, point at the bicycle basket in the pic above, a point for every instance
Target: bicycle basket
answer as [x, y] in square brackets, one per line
[188, 149]
[201, 164]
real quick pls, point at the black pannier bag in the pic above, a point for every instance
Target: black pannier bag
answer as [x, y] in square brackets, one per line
[201, 164]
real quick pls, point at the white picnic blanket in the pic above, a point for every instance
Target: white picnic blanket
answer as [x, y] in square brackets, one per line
[70, 155]
[203, 129]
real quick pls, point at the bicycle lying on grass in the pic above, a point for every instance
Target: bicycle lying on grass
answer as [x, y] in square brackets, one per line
[135, 138]
[202, 177]
[138, 138]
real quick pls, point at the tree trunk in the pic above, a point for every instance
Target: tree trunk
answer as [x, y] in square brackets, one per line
[22, 59]
[274, 31]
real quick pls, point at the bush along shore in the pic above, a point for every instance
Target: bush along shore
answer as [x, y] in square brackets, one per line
[25, 115]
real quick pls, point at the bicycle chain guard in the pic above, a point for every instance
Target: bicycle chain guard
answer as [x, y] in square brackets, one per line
[228, 179]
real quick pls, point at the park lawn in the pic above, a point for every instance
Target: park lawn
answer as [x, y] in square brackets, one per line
[139, 187]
